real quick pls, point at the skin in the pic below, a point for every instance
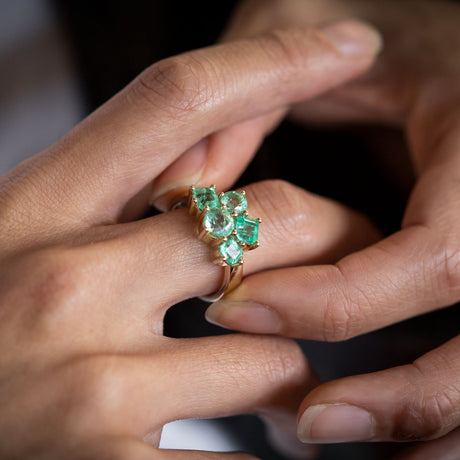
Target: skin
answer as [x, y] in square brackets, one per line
[85, 371]
[413, 85]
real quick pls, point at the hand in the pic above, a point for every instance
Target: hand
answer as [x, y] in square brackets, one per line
[85, 371]
[414, 84]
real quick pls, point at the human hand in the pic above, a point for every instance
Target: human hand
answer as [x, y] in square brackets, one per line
[414, 84]
[85, 371]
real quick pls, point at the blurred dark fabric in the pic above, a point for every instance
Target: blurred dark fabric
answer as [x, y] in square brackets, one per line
[114, 40]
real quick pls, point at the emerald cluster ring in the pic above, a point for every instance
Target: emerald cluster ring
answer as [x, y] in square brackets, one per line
[222, 220]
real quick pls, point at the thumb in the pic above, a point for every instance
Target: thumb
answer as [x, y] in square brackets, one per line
[331, 55]
[415, 402]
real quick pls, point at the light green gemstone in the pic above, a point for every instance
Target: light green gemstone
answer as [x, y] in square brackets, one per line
[206, 196]
[235, 202]
[218, 223]
[247, 230]
[231, 251]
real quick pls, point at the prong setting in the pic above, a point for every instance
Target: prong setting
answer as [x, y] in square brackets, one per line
[214, 213]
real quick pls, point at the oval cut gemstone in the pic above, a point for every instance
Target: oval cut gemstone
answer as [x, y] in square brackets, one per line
[218, 223]
[206, 196]
[247, 230]
[231, 251]
[235, 202]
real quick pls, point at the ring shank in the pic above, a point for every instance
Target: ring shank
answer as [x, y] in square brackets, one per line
[231, 279]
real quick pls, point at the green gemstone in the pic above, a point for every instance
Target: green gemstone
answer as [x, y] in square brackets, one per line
[247, 230]
[206, 196]
[231, 251]
[218, 223]
[235, 202]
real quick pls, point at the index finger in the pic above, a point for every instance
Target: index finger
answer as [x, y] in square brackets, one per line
[90, 175]
[393, 280]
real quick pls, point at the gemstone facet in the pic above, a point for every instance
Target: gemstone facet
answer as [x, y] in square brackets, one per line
[235, 202]
[231, 251]
[247, 230]
[218, 223]
[206, 196]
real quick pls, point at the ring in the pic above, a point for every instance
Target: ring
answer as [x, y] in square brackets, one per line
[222, 221]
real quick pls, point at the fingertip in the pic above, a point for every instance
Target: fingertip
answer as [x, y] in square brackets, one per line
[354, 38]
[244, 316]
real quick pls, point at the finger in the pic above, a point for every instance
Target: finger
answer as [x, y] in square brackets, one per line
[133, 272]
[420, 401]
[388, 92]
[445, 448]
[193, 378]
[226, 158]
[218, 159]
[364, 291]
[170, 107]
[164, 263]
[414, 271]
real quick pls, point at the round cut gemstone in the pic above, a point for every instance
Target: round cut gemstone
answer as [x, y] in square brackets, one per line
[231, 251]
[235, 202]
[247, 230]
[206, 196]
[218, 223]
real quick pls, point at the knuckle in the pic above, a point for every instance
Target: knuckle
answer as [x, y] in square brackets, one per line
[278, 362]
[336, 321]
[289, 45]
[58, 278]
[345, 310]
[451, 271]
[94, 386]
[286, 208]
[179, 84]
[429, 412]
[283, 362]
[282, 45]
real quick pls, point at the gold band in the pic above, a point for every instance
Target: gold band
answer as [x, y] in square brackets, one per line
[231, 280]
[222, 221]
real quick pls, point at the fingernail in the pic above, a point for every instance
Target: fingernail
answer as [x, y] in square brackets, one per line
[353, 38]
[244, 316]
[185, 171]
[333, 423]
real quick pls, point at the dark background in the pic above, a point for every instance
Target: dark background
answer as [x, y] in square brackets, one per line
[112, 41]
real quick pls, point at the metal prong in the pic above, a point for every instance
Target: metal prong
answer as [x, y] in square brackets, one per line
[203, 233]
[213, 186]
[235, 214]
[224, 207]
[234, 232]
[220, 261]
[221, 194]
[243, 192]
[254, 246]
[246, 213]
[192, 201]
[259, 220]
[203, 212]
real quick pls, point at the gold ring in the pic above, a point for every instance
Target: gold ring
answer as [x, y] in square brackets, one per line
[222, 221]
